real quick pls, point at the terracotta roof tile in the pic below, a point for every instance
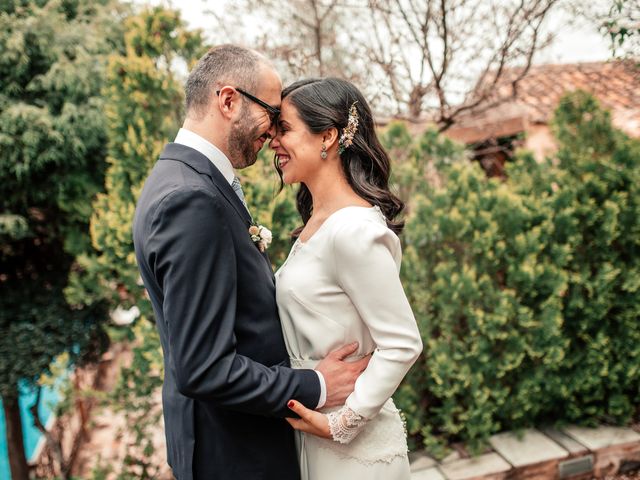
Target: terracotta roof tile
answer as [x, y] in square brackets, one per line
[616, 84]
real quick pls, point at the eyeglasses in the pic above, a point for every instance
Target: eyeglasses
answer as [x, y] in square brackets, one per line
[273, 112]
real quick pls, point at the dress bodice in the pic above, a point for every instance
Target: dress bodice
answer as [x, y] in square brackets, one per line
[342, 285]
[316, 313]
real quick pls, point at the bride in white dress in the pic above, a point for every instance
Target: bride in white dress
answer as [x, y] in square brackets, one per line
[341, 282]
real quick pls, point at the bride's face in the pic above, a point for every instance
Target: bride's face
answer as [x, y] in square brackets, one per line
[297, 149]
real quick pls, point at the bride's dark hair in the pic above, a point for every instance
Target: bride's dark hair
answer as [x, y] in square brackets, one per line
[324, 103]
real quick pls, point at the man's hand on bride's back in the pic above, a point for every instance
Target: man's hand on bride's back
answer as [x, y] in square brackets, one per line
[340, 375]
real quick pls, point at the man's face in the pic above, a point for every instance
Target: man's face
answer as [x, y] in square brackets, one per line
[254, 127]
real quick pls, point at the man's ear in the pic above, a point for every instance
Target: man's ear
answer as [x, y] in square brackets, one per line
[330, 137]
[228, 101]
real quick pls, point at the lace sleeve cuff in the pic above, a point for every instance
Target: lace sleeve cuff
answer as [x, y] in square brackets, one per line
[345, 424]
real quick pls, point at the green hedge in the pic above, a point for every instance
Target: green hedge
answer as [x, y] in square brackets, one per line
[527, 290]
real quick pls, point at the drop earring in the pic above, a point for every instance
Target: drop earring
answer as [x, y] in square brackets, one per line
[323, 154]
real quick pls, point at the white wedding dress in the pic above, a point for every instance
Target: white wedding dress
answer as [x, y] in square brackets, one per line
[340, 286]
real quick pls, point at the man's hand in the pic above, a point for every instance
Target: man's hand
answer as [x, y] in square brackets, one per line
[310, 421]
[340, 376]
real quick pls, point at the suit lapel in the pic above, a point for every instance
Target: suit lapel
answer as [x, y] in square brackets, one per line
[200, 163]
[225, 189]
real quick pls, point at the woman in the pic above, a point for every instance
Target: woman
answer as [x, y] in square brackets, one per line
[340, 282]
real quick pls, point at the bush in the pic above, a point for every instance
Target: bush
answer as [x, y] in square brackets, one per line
[526, 291]
[597, 205]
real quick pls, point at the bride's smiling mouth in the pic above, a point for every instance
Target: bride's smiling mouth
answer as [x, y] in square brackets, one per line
[283, 160]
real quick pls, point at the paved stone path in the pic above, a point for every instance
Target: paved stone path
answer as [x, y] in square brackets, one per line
[574, 453]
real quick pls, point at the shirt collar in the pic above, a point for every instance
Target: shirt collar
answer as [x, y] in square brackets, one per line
[209, 150]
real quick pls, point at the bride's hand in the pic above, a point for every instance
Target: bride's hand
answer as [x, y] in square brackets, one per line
[310, 421]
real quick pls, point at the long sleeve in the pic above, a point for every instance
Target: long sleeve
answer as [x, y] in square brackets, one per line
[366, 256]
[191, 255]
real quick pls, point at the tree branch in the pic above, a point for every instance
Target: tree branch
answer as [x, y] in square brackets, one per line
[54, 444]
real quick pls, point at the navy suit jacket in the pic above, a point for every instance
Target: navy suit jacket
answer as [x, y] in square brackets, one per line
[227, 380]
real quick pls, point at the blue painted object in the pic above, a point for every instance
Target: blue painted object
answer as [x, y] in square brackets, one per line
[31, 435]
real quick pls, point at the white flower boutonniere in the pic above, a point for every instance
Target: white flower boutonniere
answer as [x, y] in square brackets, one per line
[261, 236]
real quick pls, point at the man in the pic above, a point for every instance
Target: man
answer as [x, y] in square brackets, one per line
[227, 380]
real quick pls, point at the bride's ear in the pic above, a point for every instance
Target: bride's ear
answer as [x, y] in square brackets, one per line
[330, 137]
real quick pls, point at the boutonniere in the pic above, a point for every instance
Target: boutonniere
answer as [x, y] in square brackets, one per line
[261, 236]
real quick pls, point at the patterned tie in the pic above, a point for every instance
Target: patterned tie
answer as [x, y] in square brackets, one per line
[238, 189]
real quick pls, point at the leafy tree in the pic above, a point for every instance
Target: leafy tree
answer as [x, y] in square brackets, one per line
[143, 108]
[52, 152]
[143, 96]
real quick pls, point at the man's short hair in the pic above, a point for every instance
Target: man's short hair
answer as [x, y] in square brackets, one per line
[225, 64]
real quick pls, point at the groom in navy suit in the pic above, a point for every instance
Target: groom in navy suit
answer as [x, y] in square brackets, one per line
[227, 376]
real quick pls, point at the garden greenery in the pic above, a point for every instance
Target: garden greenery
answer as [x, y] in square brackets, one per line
[525, 289]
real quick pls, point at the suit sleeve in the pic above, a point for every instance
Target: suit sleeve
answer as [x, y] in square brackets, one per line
[192, 257]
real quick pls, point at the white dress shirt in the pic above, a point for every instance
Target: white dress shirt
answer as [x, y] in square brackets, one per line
[221, 162]
[209, 150]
